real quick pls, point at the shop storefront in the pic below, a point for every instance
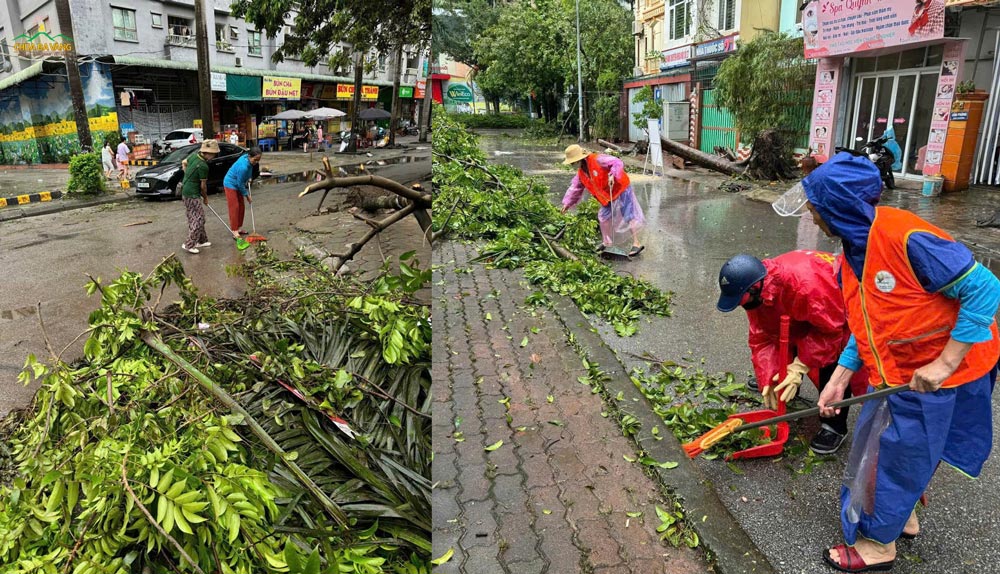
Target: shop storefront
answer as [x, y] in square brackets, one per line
[883, 65]
[671, 87]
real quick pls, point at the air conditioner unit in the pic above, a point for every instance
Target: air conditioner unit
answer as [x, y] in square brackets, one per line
[637, 28]
[637, 71]
[239, 62]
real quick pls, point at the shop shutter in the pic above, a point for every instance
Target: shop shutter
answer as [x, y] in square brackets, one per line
[245, 88]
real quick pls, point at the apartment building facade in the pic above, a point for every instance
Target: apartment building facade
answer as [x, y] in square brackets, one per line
[678, 47]
[139, 68]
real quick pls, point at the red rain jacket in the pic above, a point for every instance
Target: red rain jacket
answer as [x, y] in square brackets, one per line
[802, 285]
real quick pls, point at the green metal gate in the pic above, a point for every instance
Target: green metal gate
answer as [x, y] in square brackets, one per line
[718, 128]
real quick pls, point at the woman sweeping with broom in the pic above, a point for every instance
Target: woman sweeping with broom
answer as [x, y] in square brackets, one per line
[236, 186]
[605, 178]
[921, 311]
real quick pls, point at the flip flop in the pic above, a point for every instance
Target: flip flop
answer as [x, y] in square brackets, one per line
[636, 250]
[851, 561]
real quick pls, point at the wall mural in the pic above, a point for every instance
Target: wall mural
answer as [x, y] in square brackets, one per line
[36, 116]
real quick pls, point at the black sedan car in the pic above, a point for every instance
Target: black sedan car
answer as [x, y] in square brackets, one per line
[164, 178]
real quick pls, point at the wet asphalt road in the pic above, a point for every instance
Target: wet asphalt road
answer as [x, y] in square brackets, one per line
[692, 230]
[46, 258]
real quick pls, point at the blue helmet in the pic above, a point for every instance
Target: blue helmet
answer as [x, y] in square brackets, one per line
[737, 276]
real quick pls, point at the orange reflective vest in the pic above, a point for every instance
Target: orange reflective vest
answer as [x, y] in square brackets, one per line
[595, 180]
[898, 325]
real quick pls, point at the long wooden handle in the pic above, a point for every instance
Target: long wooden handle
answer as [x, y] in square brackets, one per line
[815, 410]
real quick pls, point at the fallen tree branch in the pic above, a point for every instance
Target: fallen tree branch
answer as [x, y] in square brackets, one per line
[615, 147]
[421, 199]
[554, 246]
[701, 158]
[156, 525]
[223, 397]
[444, 227]
[376, 228]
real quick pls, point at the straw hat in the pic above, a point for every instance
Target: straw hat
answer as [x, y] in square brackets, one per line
[209, 146]
[574, 153]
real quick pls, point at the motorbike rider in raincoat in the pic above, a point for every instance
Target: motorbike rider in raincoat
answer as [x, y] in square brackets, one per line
[921, 312]
[802, 285]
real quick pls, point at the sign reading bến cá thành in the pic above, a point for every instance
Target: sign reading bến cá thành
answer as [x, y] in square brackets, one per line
[346, 92]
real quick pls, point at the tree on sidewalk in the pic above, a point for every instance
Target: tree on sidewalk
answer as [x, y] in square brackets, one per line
[765, 84]
[318, 26]
[456, 24]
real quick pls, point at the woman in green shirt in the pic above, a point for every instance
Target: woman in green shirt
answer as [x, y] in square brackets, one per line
[194, 192]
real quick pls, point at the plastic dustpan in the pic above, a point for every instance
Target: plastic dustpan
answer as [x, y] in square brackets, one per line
[777, 442]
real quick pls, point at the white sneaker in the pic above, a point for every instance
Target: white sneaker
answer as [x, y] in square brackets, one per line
[205, 244]
[192, 250]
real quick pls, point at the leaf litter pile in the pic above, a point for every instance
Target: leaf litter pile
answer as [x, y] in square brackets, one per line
[692, 402]
[514, 216]
[286, 431]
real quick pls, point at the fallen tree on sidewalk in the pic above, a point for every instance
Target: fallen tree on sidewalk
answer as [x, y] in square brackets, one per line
[520, 226]
[286, 431]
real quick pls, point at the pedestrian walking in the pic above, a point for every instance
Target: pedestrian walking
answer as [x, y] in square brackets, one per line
[122, 159]
[803, 286]
[236, 187]
[921, 312]
[194, 192]
[320, 142]
[108, 160]
[605, 178]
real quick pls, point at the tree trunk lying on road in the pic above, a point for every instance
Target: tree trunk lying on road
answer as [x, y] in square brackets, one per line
[615, 147]
[413, 201]
[701, 158]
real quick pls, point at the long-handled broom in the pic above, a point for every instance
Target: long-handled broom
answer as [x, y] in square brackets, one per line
[254, 237]
[241, 244]
[735, 425]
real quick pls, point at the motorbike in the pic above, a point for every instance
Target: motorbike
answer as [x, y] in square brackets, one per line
[161, 149]
[878, 151]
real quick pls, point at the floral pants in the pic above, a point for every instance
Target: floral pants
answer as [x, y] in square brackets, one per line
[196, 222]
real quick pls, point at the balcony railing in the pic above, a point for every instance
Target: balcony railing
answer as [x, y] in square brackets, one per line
[182, 41]
[223, 46]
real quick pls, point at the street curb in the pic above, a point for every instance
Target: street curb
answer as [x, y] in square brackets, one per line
[732, 550]
[7, 215]
[29, 198]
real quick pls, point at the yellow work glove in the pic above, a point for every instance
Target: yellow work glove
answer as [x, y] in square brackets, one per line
[770, 400]
[788, 388]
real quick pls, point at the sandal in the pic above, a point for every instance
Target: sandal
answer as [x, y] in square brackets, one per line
[851, 561]
[636, 249]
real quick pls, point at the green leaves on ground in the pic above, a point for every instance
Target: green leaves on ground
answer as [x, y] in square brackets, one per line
[692, 402]
[499, 205]
[323, 383]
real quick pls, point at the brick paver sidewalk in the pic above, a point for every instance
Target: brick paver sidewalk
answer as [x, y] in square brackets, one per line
[554, 497]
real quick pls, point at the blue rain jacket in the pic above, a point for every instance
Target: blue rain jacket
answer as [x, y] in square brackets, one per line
[238, 175]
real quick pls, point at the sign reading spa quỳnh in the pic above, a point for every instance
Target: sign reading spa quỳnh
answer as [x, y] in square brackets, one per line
[835, 27]
[275, 88]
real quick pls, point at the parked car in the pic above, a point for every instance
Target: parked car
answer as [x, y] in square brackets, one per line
[182, 137]
[164, 179]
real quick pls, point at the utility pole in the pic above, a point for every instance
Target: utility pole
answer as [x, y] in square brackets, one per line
[425, 109]
[579, 71]
[359, 77]
[204, 71]
[397, 72]
[65, 18]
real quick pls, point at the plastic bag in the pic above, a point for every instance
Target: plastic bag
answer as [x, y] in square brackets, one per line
[862, 462]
